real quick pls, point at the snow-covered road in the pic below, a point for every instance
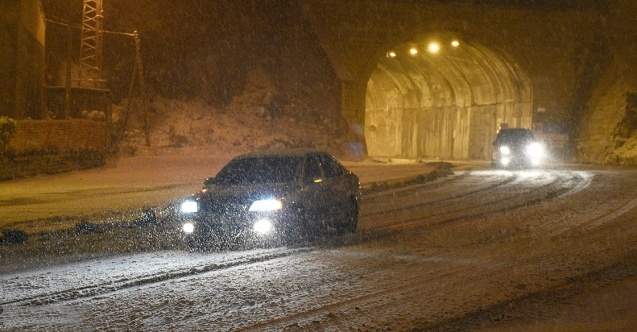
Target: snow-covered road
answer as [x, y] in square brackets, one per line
[453, 253]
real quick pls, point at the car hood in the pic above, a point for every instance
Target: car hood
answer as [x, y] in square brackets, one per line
[245, 194]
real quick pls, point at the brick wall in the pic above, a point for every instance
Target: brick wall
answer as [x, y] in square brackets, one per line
[61, 136]
[54, 146]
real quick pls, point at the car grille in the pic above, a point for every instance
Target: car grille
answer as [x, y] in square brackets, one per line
[222, 207]
[227, 216]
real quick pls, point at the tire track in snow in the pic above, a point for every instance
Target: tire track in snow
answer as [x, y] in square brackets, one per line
[144, 280]
[471, 209]
[586, 181]
[596, 220]
[610, 216]
[410, 191]
[376, 298]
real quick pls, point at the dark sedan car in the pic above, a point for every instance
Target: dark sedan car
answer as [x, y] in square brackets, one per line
[516, 147]
[273, 196]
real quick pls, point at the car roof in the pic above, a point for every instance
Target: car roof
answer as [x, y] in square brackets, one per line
[282, 153]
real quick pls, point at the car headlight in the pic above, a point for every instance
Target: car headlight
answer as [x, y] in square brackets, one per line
[266, 205]
[263, 226]
[189, 207]
[505, 150]
[188, 228]
[535, 150]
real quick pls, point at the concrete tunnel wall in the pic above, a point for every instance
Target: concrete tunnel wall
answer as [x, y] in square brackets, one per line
[517, 59]
[445, 105]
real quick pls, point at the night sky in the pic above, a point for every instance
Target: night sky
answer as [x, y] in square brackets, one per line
[199, 48]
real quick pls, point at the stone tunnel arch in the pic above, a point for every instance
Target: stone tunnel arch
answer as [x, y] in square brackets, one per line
[446, 104]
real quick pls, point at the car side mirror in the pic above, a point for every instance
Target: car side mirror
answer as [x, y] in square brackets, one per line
[209, 181]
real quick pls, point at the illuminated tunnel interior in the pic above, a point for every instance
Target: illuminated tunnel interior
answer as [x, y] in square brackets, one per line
[443, 98]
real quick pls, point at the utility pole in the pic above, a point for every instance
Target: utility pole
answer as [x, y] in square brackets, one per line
[138, 74]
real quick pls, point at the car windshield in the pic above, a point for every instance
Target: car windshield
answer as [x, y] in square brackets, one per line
[512, 136]
[258, 170]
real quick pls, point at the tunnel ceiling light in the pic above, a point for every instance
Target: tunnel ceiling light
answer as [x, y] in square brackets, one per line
[433, 47]
[413, 51]
[391, 54]
[455, 43]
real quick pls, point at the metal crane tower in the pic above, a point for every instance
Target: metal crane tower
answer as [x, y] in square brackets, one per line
[90, 73]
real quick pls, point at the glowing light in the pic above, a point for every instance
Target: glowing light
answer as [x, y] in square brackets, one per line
[266, 205]
[535, 150]
[505, 150]
[455, 43]
[189, 228]
[413, 51]
[263, 226]
[433, 47]
[391, 54]
[189, 207]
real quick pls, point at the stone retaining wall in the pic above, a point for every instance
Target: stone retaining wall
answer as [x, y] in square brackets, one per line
[58, 136]
[54, 146]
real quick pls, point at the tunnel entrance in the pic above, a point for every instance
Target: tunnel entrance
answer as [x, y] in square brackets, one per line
[443, 97]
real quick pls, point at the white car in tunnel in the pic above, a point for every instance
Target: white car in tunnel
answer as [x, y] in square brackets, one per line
[517, 147]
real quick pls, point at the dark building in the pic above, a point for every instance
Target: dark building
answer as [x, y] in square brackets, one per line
[22, 34]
